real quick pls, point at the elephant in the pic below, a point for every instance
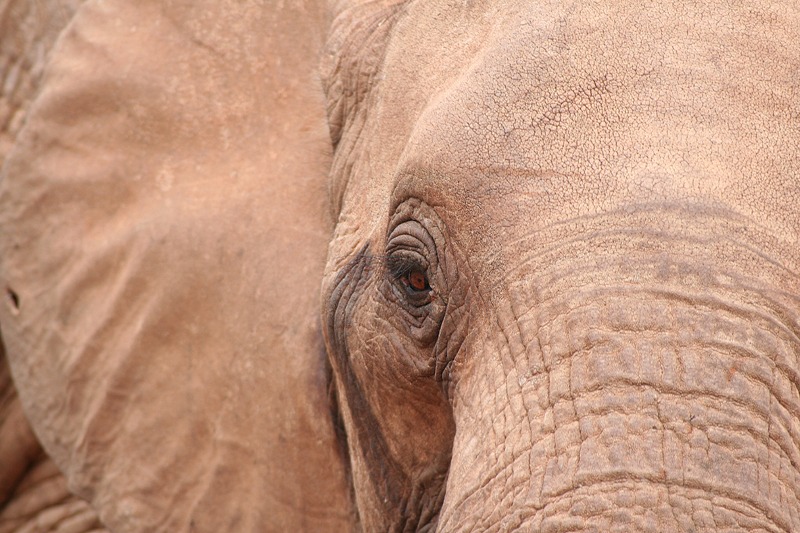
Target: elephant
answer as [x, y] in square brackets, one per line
[391, 265]
[29, 480]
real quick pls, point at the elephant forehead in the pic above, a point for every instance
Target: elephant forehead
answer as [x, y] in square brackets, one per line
[587, 107]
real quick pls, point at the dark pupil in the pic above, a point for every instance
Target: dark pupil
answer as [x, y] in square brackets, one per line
[417, 280]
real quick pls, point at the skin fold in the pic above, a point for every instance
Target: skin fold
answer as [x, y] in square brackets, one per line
[413, 266]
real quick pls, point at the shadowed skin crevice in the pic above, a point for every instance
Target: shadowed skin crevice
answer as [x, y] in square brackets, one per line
[386, 476]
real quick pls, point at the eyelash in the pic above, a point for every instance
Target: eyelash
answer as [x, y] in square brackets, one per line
[402, 266]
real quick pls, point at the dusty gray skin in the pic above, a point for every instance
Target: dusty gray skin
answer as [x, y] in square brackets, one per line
[561, 289]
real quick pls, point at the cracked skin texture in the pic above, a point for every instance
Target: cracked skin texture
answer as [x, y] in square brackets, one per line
[603, 196]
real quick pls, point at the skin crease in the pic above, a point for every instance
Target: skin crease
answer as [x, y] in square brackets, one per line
[560, 292]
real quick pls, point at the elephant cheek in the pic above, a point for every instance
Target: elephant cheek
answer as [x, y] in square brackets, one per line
[397, 420]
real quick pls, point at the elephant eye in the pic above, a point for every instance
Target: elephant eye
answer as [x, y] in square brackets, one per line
[410, 274]
[415, 280]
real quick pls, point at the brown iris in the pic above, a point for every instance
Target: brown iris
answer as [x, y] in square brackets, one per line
[416, 280]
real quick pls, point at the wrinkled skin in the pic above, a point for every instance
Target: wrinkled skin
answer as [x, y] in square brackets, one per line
[606, 200]
[561, 290]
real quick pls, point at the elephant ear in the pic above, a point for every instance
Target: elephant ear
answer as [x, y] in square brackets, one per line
[163, 229]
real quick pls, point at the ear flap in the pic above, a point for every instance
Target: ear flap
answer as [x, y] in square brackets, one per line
[27, 33]
[163, 228]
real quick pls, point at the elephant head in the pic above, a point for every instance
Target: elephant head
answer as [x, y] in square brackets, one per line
[405, 266]
[562, 289]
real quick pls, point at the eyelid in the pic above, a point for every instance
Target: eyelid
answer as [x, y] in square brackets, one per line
[401, 264]
[404, 240]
